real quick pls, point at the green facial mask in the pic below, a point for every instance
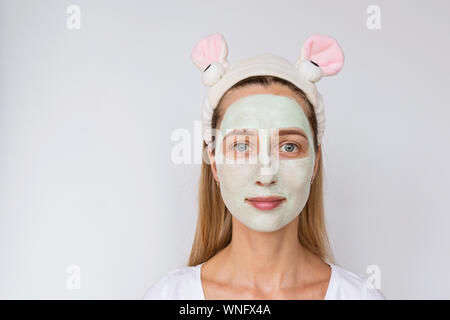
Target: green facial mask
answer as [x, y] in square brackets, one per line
[256, 169]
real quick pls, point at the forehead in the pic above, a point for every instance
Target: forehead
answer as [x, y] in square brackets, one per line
[265, 111]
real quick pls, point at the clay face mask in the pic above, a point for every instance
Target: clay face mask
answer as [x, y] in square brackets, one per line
[265, 149]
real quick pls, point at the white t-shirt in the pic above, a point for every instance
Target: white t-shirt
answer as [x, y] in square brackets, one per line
[185, 284]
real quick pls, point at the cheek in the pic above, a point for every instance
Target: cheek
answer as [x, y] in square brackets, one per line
[235, 176]
[297, 174]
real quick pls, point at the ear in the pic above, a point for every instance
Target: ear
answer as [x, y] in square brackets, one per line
[320, 56]
[212, 161]
[210, 56]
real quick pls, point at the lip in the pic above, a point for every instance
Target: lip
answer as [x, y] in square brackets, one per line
[265, 203]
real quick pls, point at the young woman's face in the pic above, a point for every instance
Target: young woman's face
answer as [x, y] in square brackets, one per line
[264, 159]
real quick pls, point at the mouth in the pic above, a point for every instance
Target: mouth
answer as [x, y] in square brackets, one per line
[265, 203]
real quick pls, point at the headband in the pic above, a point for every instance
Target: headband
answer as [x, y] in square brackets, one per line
[319, 56]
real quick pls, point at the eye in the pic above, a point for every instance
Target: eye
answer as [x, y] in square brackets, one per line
[289, 147]
[241, 147]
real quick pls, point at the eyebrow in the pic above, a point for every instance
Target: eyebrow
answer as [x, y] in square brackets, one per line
[251, 132]
[299, 132]
[246, 132]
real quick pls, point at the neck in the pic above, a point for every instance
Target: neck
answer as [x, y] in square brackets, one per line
[267, 257]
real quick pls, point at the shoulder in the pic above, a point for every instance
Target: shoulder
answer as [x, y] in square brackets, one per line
[348, 285]
[180, 283]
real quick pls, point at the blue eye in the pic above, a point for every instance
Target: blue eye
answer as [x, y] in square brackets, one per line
[241, 147]
[290, 147]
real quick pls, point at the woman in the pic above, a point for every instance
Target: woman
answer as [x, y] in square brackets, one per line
[261, 231]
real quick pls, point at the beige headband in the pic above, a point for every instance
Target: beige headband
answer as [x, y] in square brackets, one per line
[319, 56]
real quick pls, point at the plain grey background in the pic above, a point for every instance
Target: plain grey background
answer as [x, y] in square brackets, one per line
[86, 117]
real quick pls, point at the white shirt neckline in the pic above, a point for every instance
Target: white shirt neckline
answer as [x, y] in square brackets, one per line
[327, 294]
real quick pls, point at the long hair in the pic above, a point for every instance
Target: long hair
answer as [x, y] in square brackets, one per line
[213, 232]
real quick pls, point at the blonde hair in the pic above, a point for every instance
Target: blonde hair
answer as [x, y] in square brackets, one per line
[213, 232]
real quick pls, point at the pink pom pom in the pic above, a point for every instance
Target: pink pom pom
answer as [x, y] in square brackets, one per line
[324, 51]
[211, 49]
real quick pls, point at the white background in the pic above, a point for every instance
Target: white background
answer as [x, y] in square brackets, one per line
[86, 118]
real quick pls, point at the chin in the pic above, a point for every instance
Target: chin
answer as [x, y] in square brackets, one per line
[265, 223]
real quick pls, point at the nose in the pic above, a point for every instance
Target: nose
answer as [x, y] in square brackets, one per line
[266, 178]
[268, 166]
[267, 183]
